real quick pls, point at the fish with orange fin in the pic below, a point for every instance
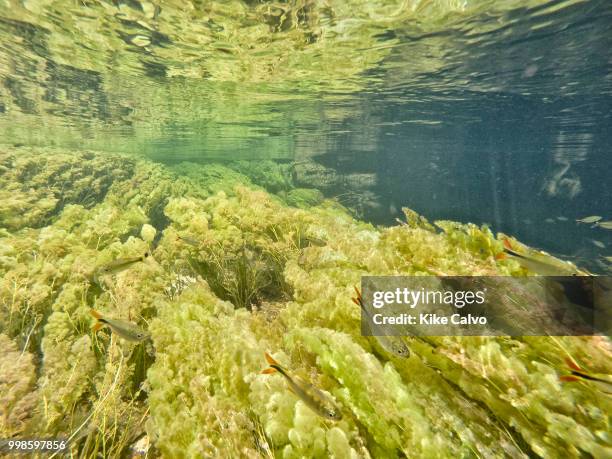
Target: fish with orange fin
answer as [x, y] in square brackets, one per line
[124, 329]
[393, 344]
[602, 382]
[537, 261]
[317, 400]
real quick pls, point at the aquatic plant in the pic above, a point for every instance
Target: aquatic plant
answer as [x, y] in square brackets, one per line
[35, 187]
[359, 201]
[17, 388]
[303, 197]
[221, 245]
[271, 175]
[238, 278]
[310, 173]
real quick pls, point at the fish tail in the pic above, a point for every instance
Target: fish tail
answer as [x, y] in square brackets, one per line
[515, 254]
[582, 375]
[358, 292]
[358, 300]
[569, 378]
[99, 320]
[577, 372]
[270, 359]
[274, 366]
[573, 365]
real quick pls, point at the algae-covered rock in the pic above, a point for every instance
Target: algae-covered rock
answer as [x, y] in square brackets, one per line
[33, 188]
[235, 272]
[271, 175]
[210, 178]
[310, 173]
[303, 197]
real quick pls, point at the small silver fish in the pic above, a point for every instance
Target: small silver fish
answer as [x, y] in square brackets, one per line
[599, 244]
[140, 40]
[189, 240]
[314, 398]
[538, 261]
[591, 219]
[124, 329]
[393, 344]
[562, 219]
[604, 225]
[315, 241]
[117, 266]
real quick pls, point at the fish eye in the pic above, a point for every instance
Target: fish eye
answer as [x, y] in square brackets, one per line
[400, 349]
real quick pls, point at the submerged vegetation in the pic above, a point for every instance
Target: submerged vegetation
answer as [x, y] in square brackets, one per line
[234, 272]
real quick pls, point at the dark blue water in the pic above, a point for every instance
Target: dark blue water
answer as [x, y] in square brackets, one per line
[513, 131]
[519, 168]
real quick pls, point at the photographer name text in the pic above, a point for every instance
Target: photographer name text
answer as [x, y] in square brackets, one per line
[429, 319]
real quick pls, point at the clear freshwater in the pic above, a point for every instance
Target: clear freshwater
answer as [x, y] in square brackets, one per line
[489, 112]
[124, 113]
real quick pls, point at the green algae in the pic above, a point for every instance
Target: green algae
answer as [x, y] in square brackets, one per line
[303, 197]
[35, 187]
[196, 389]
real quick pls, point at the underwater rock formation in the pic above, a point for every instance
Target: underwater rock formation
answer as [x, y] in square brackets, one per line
[314, 174]
[234, 272]
[35, 187]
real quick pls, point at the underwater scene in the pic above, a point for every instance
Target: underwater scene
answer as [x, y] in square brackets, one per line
[192, 194]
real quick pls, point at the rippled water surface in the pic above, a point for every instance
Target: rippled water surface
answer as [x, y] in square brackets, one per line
[493, 112]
